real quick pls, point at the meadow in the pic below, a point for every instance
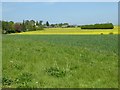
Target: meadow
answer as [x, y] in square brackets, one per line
[75, 31]
[60, 61]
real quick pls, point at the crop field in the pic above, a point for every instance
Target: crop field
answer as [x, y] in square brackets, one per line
[72, 31]
[60, 61]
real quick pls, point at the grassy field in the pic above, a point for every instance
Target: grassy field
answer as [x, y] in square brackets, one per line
[60, 61]
[72, 31]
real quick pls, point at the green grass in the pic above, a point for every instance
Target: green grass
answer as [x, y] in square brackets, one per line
[60, 61]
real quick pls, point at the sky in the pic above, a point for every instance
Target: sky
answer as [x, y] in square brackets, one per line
[61, 12]
[60, 0]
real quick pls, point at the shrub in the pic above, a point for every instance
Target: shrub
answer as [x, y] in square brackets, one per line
[8, 31]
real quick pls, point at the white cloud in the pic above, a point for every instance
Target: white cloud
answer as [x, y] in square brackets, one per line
[60, 0]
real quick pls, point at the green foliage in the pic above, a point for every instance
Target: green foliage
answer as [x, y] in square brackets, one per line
[98, 26]
[26, 25]
[47, 23]
[60, 25]
[23, 26]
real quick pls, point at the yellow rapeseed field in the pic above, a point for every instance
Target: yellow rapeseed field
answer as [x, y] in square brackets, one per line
[73, 31]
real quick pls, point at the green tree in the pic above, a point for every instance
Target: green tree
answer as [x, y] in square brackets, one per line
[23, 26]
[40, 22]
[5, 27]
[47, 23]
[27, 25]
[60, 25]
[32, 22]
[41, 25]
[65, 24]
[37, 24]
[11, 25]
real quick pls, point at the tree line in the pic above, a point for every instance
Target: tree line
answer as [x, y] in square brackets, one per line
[26, 25]
[29, 25]
[98, 26]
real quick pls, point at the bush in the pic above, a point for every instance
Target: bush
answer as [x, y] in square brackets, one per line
[98, 26]
[8, 31]
[18, 31]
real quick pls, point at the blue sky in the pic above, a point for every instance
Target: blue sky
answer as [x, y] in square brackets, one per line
[60, 12]
[60, 0]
